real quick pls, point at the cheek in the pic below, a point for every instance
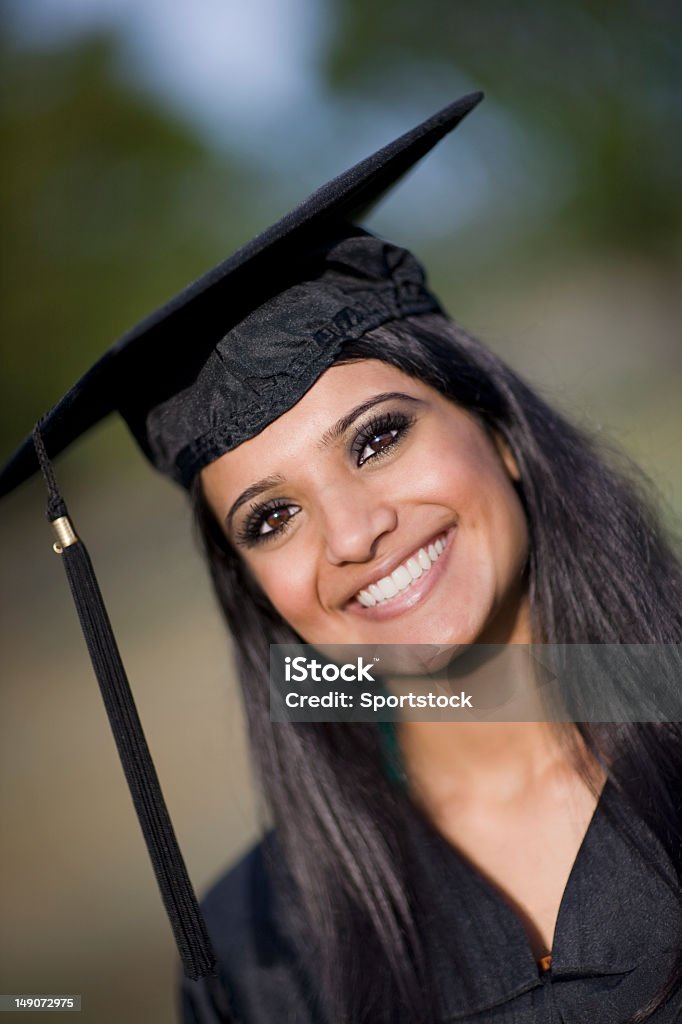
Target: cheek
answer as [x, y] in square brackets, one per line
[490, 512]
[504, 523]
[518, 531]
[431, 474]
[289, 583]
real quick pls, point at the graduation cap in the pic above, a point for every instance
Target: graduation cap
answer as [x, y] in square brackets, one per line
[205, 372]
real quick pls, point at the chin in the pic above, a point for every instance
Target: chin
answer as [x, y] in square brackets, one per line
[447, 630]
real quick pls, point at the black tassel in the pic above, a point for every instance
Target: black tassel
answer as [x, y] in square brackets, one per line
[189, 929]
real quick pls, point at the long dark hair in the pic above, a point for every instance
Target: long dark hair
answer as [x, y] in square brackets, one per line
[600, 572]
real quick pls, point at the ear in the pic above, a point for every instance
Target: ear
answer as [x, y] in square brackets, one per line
[505, 453]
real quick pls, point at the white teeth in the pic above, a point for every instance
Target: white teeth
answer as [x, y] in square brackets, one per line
[387, 587]
[402, 577]
[414, 568]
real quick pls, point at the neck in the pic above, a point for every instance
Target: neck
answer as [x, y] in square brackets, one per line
[486, 760]
[510, 748]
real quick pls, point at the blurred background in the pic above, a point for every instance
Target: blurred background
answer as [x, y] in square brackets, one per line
[143, 141]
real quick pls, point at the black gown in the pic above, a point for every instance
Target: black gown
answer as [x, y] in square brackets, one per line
[617, 935]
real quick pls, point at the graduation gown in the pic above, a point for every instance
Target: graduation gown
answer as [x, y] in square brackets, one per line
[617, 935]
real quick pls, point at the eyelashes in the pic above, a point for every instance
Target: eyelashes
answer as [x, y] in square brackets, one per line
[375, 439]
[265, 520]
[379, 436]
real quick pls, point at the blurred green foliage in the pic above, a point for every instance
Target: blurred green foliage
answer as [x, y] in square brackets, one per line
[597, 84]
[109, 205]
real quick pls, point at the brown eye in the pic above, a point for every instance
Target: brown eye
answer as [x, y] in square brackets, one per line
[380, 436]
[382, 441]
[276, 518]
[376, 444]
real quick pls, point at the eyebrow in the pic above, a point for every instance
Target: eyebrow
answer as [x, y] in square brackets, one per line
[342, 425]
[332, 434]
[252, 492]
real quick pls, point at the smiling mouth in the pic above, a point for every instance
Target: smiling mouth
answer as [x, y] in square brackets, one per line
[404, 576]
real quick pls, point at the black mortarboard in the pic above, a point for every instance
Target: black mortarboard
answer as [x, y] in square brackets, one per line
[206, 371]
[233, 321]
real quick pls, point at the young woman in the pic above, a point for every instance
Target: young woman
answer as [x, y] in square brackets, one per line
[519, 871]
[365, 472]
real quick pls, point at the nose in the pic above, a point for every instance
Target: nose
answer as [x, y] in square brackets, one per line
[355, 518]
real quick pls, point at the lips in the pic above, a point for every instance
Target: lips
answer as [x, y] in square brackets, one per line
[404, 576]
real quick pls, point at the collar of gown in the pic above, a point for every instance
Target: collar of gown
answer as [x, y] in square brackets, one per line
[617, 910]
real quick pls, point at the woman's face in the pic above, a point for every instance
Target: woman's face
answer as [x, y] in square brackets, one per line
[376, 511]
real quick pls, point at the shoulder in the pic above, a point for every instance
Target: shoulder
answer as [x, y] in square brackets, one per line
[250, 916]
[248, 913]
[242, 898]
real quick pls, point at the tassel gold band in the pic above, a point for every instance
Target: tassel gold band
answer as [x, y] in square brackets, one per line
[66, 535]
